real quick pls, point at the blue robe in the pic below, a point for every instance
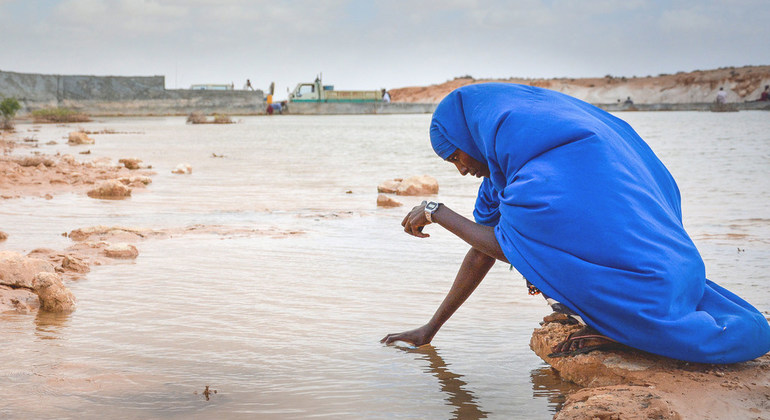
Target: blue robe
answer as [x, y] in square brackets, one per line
[584, 210]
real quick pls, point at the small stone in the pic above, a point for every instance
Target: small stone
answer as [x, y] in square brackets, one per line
[182, 168]
[75, 264]
[385, 201]
[121, 250]
[130, 163]
[79, 137]
[111, 188]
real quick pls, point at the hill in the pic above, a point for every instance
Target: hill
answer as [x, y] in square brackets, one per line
[741, 83]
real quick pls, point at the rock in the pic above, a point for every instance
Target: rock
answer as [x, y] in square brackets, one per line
[79, 137]
[17, 270]
[22, 301]
[3, 236]
[111, 188]
[53, 295]
[33, 160]
[121, 250]
[107, 233]
[619, 402]
[390, 186]
[385, 201]
[418, 185]
[136, 181]
[72, 263]
[130, 163]
[627, 383]
[182, 168]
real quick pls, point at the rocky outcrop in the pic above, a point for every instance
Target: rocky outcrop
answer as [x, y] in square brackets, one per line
[110, 189]
[18, 271]
[22, 301]
[42, 175]
[53, 295]
[79, 137]
[108, 233]
[3, 236]
[630, 384]
[22, 277]
[386, 201]
[390, 186]
[415, 185]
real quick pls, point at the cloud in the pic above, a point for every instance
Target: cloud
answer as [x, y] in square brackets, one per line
[386, 43]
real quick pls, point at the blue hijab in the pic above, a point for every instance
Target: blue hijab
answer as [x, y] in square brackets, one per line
[584, 210]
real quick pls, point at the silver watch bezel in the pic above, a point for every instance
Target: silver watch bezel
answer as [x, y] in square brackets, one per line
[431, 208]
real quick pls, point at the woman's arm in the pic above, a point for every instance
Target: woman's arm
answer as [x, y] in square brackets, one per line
[478, 236]
[480, 258]
[474, 268]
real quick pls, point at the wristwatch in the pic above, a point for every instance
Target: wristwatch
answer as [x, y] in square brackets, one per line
[431, 208]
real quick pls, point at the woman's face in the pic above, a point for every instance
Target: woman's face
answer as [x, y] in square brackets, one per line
[467, 165]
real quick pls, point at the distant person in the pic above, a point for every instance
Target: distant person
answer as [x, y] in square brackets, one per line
[628, 101]
[385, 96]
[248, 86]
[579, 204]
[721, 96]
[765, 96]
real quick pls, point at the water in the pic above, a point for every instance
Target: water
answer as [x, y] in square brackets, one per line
[288, 325]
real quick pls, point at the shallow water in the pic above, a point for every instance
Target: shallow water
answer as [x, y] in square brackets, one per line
[288, 326]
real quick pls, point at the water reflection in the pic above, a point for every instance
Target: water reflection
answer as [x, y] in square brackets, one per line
[547, 383]
[49, 325]
[464, 402]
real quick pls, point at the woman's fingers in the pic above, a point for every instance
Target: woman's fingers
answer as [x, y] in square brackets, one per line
[391, 338]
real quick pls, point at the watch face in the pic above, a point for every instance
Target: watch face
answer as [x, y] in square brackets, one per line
[431, 206]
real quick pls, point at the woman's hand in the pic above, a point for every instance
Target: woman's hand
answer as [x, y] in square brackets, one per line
[417, 337]
[415, 220]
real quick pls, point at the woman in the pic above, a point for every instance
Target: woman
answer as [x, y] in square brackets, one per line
[579, 204]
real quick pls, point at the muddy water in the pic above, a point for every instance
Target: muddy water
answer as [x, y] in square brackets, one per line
[286, 325]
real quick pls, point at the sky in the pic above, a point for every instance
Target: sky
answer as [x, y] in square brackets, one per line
[358, 44]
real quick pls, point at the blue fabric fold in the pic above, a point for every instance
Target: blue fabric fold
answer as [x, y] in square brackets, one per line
[584, 210]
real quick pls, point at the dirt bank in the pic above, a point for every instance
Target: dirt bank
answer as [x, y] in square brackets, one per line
[741, 83]
[629, 384]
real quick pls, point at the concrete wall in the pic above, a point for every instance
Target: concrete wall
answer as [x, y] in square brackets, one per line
[119, 95]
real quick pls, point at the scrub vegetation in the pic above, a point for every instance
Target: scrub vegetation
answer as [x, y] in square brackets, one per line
[59, 115]
[8, 109]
